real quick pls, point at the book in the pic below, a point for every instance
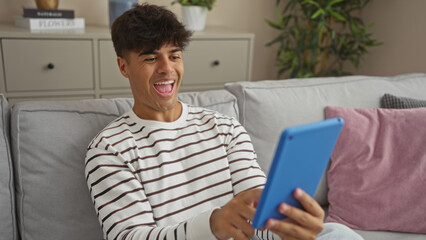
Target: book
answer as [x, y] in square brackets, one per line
[42, 13]
[49, 23]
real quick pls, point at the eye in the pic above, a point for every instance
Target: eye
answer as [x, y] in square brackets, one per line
[150, 59]
[176, 57]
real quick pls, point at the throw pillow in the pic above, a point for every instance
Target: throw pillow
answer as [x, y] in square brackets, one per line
[391, 101]
[377, 176]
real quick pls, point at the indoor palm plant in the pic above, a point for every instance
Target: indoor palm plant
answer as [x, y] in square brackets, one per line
[194, 13]
[317, 37]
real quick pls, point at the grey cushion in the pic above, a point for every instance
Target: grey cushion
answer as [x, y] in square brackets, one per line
[218, 100]
[268, 107]
[8, 228]
[49, 142]
[391, 101]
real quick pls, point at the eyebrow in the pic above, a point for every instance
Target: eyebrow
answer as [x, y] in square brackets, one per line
[151, 52]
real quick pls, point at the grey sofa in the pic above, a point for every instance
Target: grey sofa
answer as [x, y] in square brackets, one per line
[43, 193]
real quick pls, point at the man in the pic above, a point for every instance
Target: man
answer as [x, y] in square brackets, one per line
[167, 170]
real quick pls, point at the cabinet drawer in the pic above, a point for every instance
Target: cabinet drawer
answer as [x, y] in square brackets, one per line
[110, 76]
[214, 62]
[32, 64]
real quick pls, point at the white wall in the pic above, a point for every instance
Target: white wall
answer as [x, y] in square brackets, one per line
[398, 23]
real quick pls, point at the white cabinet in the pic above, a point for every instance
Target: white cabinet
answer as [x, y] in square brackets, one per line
[82, 64]
[211, 63]
[109, 73]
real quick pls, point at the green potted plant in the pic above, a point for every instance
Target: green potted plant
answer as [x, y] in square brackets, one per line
[194, 13]
[317, 37]
[203, 3]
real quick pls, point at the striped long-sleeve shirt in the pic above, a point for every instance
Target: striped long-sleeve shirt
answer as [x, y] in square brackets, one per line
[159, 180]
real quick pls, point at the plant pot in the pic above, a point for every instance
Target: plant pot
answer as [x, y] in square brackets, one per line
[194, 17]
[47, 4]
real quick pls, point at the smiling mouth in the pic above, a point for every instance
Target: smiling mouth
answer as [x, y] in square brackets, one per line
[164, 88]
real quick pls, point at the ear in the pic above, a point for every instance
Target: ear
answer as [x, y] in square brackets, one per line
[123, 65]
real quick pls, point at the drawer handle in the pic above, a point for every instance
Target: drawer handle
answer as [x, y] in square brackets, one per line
[50, 66]
[216, 63]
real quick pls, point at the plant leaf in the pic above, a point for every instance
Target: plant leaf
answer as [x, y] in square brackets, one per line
[273, 24]
[317, 13]
[279, 15]
[336, 15]
[330, 4]
[311, 2]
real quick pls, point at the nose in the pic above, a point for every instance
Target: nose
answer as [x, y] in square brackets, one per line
[164, 66]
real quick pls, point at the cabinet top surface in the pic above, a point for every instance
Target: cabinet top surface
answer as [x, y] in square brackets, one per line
[10, 31]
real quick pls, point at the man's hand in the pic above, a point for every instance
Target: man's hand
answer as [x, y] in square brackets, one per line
[299, 224]
[231, 221]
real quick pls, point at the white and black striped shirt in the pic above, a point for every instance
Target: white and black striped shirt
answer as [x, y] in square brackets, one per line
[159, 180]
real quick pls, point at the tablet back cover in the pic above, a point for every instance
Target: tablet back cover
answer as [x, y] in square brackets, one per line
[300, 160]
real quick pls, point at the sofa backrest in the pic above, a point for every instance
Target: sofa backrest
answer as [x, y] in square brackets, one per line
[218, 100]
[49, 142]
[8, 228]
[268, 107]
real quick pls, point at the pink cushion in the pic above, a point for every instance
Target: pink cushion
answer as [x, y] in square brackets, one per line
[377, 178]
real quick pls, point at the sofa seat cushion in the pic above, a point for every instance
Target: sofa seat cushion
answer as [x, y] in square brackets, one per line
[384, 235]
[268, 107]
[8, 228]
[378, 170]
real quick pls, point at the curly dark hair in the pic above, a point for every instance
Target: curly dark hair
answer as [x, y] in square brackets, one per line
[147, 27]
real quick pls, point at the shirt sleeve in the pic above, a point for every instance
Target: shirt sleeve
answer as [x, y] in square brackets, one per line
[122, 207]
[245, 171]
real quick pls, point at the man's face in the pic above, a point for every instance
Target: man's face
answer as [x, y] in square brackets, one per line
[155, 77]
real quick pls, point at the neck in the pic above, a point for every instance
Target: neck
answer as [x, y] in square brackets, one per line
[169, 115]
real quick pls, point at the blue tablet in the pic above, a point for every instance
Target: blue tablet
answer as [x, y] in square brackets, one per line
[300, 160]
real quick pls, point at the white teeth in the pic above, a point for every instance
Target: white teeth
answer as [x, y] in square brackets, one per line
[164, 83]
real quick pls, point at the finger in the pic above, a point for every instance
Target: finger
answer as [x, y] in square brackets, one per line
[287, 237]
[250, 199]
[302, 218]
[237, 214]
[289, 230]
[238, 208]
[247, 212]
[244, 226]
[225, 225]
[308, 203]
